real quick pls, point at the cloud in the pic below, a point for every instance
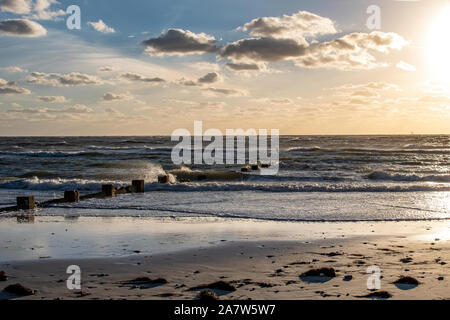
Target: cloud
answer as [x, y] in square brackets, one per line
[223, 91]
[351, 51]
[106, 69]
[10, 87]
[209, 78]
[275, 101]
[14, 69]
[57, 80]
[42, 12]
[53, 99]
[22, 28]
[402, 65]
[76, 109]
[15, 6]
[264, 49]
[100, 26]
[109, 96]
[138, 77]
[37, 10]
[246, 66]
[298, 25]
[378, 86]
[365, 93]
[180, 42]
[114, 112]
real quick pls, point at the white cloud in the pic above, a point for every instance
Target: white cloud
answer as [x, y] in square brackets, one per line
[100, 26]
[14, 69]
[299, 25]
[405, 66]
[15, 6]
[69, 79]
[11, 87]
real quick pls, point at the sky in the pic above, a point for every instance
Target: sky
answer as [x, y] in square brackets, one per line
[150, 67]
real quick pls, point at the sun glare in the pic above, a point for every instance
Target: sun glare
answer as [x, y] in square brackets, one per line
[439, 47]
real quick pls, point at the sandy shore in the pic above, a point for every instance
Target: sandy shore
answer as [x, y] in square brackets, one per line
[257, 269]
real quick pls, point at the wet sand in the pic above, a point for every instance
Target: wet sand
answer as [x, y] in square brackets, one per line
[261, 269]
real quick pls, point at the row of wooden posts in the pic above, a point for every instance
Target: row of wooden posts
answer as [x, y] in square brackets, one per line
[70, 196]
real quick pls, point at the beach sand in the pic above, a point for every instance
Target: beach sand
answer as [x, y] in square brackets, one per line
[261, 269]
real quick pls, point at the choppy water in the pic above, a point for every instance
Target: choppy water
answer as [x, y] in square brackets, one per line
[402, 169]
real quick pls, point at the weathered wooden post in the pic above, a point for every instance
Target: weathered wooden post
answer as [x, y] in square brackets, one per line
[26, 203]
[108, 190]
[71, 196]
[138, 185]
[163, 178]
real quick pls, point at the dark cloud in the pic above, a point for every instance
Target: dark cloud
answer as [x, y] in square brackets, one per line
[109, 96]
[224, 91]
[209, 78]
[52, 99]
[138, 77]
[244, 66]
[264, 49]
[180, 42]
[352, 51]
[22, 28]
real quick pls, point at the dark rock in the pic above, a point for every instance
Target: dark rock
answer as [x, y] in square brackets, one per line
[440, 278]
[406, 260]
[347, 278]
[219, 285]
[207, 295]
[407, 280]
[146, 280]
[19, 290]
[3, 276]
[377, 294]
[321, 272]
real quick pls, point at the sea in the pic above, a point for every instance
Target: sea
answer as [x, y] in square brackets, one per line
[320, 178]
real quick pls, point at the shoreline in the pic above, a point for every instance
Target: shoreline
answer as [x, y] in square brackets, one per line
[258, 267]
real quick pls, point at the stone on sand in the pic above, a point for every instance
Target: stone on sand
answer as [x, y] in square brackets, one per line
[19, 290]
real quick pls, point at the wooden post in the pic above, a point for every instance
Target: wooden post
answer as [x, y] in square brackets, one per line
[71, 196]
[163, 178]
[108, 190]
[26, 203]
[138, 185]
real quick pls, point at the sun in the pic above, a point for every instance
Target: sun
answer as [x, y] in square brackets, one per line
[438, 47]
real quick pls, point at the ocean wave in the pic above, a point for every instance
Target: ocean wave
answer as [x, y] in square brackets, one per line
[380, 175]
[85, 185]
[50, 154]
[56, 184]
[190, 187]
[186, 174]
